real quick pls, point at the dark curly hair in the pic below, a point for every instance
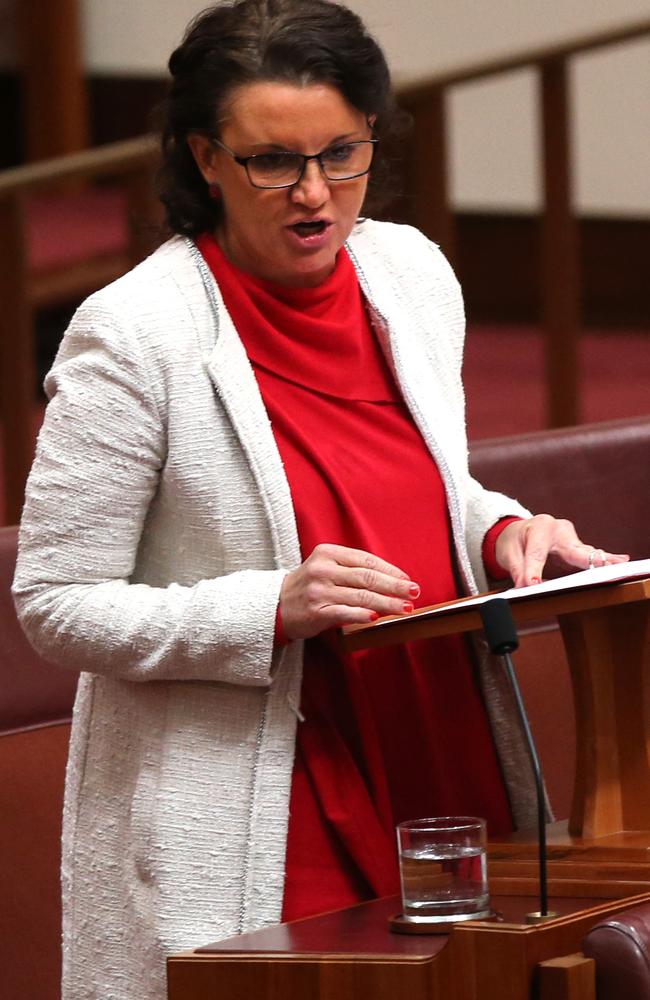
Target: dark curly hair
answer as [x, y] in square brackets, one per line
[244, 41]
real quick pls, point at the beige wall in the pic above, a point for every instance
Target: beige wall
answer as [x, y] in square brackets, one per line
[493, 126]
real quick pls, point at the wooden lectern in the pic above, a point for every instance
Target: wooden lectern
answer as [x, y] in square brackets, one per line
[606, 634]
[598, 865]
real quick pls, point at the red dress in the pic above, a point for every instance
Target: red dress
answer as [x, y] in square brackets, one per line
[391, 734]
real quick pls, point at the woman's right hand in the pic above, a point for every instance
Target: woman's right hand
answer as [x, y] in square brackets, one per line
[338, 586]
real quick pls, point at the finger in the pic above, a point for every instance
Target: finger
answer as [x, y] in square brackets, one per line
[537, 541]
[339, 615]
[373, 602]
[364, 560]
[328, 617]
[509, 550]
[588, 557]
[376, 582]
[523, 548]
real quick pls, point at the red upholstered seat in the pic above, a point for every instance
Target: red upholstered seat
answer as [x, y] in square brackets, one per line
[35, 709]
[33, 692]
[67, 227]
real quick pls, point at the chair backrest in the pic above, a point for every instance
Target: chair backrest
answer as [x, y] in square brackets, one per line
[37, 271]
[33, 692]
[620, 947]
[597, 475]
[35, 710]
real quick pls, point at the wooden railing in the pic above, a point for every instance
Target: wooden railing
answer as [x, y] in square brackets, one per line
[130, 165]
[429, 207]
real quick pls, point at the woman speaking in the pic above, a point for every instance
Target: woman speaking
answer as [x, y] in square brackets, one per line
[254, 437]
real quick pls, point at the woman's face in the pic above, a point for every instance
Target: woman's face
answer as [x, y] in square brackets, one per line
[259, 232]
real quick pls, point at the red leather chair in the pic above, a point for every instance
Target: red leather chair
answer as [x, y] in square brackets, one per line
[598, 476]
[620, 947]
[35, 711]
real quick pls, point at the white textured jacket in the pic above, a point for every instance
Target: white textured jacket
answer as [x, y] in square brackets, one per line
[157, 530]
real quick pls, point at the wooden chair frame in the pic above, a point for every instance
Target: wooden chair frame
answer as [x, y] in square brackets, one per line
[129, 164]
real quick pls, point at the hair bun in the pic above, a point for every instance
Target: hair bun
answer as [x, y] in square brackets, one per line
[176, 60]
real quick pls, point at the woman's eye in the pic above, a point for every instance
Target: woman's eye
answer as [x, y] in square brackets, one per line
[339, 154]
[272, 163]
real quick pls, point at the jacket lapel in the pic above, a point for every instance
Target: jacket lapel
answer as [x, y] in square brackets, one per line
[236, 386]
[419, 364]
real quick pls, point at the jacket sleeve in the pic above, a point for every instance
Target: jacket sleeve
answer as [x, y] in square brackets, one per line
[99, 455]
[484, 509]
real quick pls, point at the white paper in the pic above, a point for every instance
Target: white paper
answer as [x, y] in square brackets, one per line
[574, 581]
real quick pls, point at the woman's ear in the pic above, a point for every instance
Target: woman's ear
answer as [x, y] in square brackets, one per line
[205, 155]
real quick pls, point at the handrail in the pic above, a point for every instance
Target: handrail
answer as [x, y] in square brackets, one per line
[113, 159]
[428, 203]
[527, 57]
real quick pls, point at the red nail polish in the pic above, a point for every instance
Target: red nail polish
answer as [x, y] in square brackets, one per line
[535, 579]
[373, 616]
[414, 590]
[408, 607]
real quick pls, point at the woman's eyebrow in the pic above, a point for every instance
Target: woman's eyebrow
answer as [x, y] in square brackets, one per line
[275, 147]
[349, 136]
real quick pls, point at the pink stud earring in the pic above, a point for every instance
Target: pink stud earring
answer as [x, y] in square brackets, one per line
[214, 191]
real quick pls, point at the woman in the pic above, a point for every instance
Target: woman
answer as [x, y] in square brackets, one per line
[178, 547]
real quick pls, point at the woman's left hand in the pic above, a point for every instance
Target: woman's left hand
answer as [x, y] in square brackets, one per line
[523, 548]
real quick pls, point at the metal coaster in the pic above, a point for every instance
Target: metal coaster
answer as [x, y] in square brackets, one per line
[399, 924]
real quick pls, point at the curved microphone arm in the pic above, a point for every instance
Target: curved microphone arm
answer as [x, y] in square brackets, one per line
[501, 635]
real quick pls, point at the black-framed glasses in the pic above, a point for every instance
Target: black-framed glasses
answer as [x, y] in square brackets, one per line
[340, 162]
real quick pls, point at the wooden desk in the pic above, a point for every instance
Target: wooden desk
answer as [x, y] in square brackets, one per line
[351, 955]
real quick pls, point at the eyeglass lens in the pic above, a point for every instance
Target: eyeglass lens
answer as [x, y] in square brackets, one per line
[338, 163]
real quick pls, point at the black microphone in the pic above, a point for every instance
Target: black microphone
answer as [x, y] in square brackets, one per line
[501, 635]
[499, 625]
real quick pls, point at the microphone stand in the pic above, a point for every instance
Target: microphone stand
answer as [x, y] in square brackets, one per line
[502, 639]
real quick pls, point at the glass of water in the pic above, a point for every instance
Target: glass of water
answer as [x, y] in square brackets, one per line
[443, 869]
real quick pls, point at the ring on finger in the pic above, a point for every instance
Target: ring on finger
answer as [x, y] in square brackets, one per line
[592, 557]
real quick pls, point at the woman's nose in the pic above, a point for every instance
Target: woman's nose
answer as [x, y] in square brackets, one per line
[312, 189]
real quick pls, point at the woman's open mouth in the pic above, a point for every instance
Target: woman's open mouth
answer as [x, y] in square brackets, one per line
[310, 234]
[309, 228]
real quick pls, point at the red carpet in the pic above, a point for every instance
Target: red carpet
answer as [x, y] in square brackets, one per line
[503, 379]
